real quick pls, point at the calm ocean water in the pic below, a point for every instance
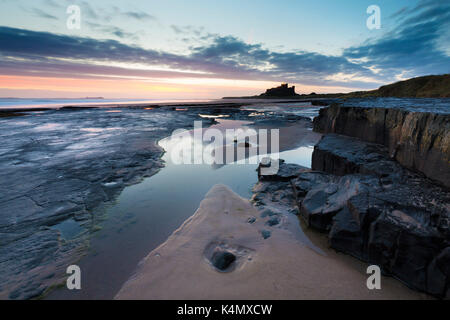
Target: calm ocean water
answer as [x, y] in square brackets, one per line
[436, 105]
[56, 103]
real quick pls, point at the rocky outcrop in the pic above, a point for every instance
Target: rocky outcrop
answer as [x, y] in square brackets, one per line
[374, 209]
[433, 86]
[419, 141]
[277, 170]
[383, 213]
[341, 155]
[60, 168]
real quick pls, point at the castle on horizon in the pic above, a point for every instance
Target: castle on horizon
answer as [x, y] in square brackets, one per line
[282, 91]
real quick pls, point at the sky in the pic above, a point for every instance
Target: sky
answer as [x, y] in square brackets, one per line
[177, 49]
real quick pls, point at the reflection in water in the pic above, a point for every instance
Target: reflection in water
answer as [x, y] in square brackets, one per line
[50, 126]
[218, 144]
[209, 116]
[146, 214]
[69, 229]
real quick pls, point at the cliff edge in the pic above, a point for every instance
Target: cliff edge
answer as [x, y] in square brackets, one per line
[417, 140]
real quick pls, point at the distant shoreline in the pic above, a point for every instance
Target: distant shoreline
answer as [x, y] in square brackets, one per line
[432, 86]
[157, 104]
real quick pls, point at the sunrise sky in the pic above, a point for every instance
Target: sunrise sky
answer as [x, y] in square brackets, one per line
[209, 49]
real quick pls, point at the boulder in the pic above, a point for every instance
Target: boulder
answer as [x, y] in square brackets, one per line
[222, 260]
[277, 170]
[266, 234]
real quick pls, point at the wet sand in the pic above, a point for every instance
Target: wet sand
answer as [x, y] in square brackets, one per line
[279, 267]
[145, 215]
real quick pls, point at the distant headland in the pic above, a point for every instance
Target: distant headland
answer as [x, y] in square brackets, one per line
[433, 86]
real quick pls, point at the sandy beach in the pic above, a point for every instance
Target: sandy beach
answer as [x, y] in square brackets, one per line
[279, 267]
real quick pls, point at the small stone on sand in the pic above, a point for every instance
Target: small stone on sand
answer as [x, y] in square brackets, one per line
[273, 221]
[266, 234]
[222, 260]
[251, 220]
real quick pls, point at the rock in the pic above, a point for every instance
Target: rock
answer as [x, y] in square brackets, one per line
[374, 209]
[265, 193]
[306, 181]
[346, 234]
[417, 140]
[393, 229]
[266, 234]
[350, 230]
[222, 260]
[251, 220]
[269, 212]
[341, 155]
[325, 200]
[273, 221]
[437, 274]
[403, 247]
[277, 170]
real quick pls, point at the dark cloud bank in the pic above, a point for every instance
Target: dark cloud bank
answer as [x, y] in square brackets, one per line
[416, 47]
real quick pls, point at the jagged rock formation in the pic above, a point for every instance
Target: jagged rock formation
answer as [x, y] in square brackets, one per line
[380, 213]
[366, 198]
[417, 140]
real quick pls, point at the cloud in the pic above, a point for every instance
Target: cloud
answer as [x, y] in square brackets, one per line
[191, 30]
[415, 47]
[89, 10]
[176, 29]
[43, 14]
[52, 3]
[295, 66]
[112, 30]
[226, 57]
[139, 15]
[110, 12]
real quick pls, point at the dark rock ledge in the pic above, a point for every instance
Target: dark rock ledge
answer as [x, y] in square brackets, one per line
[419, 141]
[373, 208]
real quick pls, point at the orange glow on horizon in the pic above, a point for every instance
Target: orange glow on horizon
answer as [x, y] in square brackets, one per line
[182, 88]
[83, 85]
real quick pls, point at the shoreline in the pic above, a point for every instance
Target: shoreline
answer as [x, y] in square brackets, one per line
[180, 119]
[158, 180]
[278, 267]
[92, 178]
[209, 230]
[196, 104]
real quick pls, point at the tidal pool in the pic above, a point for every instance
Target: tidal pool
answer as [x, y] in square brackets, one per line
[146, 214]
